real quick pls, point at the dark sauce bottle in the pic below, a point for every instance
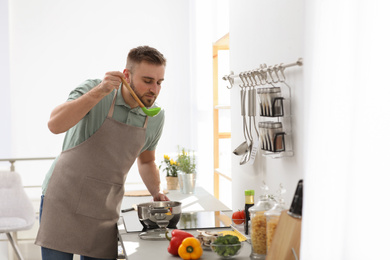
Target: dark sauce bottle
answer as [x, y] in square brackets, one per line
[249, 202]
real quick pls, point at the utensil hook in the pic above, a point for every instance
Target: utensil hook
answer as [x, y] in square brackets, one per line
[270, 70]
[249, 76]
[281, 68]
[253, 76]
[246, 79]
[276, 70]
[262, 74]
[283, 80]
[242, 80]
[266, 73]
[230, 79]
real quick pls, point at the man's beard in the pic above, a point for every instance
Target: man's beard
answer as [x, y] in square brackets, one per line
[147, 101]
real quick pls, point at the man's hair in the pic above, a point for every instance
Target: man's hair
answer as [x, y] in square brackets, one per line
[144, 53]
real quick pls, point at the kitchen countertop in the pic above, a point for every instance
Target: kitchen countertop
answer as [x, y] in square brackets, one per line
[136, 248]
[201, 200]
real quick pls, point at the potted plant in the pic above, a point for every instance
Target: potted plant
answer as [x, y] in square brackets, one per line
[186, 163]
[171, 168]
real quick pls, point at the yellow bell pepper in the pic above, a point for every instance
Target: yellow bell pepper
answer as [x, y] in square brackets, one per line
[190, 248]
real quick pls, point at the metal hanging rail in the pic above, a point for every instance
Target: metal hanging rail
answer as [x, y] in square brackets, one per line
[13, 160]
[275, 73]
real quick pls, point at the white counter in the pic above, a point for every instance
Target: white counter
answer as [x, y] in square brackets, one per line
[201, 200]
[136, 248]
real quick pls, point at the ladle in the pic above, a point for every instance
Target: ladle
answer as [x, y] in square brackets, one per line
[149, 112]
[246, 157]
[242, 148]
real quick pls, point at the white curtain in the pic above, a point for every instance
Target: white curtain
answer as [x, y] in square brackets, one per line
[346, 171]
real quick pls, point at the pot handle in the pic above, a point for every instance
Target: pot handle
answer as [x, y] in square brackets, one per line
[154, 211]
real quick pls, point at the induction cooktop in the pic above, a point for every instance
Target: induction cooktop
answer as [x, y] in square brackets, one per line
[188, 220]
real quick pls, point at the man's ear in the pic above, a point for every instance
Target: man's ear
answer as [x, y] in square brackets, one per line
[127, 74]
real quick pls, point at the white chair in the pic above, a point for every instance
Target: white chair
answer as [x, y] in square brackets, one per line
[16, 210]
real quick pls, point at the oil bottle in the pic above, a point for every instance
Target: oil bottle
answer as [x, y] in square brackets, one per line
[249, 202]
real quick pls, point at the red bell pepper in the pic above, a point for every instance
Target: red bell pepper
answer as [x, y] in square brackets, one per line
[175, 241]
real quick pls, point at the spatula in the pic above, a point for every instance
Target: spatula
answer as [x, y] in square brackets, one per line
[149, 112]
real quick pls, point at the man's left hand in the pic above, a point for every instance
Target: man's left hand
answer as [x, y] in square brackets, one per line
[160, 197]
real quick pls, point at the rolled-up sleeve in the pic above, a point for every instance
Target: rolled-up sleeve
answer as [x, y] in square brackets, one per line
[83, 88]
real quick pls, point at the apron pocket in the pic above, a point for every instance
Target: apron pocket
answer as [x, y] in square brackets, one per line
[99, 199]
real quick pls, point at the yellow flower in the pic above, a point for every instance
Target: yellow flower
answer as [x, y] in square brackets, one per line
[166, 157]
[172, 162]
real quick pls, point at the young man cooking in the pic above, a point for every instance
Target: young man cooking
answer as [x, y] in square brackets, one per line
[106, 131]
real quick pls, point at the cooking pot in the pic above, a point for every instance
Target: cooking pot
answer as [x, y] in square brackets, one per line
[159, 214]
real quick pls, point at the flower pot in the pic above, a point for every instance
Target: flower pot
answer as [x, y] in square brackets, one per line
[187, 182]
[172, 183]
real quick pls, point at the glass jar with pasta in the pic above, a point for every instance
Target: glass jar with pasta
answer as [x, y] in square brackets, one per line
[259, 227]
[272, 220]
[272, 216]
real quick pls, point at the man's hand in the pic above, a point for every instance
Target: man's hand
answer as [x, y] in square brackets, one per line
[160, 197]
[111, 81]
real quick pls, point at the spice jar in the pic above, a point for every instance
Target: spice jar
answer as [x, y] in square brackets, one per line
[271, 102]
[258, 227]
[272, 136]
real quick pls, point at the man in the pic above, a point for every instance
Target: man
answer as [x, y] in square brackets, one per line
[105, 132]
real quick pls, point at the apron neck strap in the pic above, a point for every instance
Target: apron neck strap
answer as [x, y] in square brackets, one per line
[111, 112]
[146, 122]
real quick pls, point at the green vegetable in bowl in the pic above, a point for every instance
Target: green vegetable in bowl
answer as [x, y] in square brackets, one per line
[227, 240]
[227, 245]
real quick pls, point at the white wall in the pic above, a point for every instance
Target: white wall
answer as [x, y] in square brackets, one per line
[346, 167]
[268, 32]
[341, 117]
[55, 45]
[5, 111]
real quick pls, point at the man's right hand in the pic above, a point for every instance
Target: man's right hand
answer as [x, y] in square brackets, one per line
[111, 81]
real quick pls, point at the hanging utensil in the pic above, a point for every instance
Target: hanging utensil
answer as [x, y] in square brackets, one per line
[242, 148]
[254, 104]
[247, 155]
[149, 112]
[252, 115]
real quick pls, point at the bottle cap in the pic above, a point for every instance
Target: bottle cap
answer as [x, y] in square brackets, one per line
[249, 192]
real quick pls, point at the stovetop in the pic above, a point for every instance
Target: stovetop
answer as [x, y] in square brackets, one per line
[188, 220]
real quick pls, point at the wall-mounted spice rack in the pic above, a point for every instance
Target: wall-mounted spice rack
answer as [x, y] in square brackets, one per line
[274, 130]
[276, 124]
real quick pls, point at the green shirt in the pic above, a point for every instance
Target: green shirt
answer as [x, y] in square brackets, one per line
[96, 116]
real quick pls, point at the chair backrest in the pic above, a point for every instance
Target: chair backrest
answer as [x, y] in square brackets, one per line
[14, 201]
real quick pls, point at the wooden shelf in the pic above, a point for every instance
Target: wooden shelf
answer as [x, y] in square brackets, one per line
[224, 173]
[222, 107]
[221, 44]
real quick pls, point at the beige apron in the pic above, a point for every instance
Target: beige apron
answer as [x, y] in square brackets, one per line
[84, 195]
